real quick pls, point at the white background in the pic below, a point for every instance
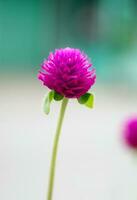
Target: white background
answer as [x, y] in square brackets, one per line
[92, 163]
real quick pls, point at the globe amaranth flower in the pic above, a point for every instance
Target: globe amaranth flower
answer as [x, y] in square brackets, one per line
[68, 71]
[130, 132]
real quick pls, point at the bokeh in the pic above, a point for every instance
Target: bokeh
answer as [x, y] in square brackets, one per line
[93, 162]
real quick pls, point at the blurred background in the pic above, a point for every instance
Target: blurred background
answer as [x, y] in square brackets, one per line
[93, 161]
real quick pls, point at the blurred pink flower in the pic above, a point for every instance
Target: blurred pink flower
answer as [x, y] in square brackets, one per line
[130, 132]
[68, 71]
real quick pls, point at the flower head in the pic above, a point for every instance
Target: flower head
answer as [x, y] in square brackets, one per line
[130, 132]
[67, 71]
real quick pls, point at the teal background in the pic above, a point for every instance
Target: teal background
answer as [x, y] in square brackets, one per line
[105, 29]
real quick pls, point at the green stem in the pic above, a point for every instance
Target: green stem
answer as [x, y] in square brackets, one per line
[55, 148]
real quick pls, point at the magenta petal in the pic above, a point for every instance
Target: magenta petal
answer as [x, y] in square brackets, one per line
[68, 71]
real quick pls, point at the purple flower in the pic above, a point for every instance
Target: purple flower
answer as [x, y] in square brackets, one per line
[68, 71]
[130, 132]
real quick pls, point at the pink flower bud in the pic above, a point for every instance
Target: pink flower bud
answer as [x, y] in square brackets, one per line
[130, 132]
[68, 71]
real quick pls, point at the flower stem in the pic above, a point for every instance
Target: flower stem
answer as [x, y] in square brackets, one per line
[55, 148]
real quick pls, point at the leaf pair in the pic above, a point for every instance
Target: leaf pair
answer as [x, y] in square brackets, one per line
[87, 100]
[48, 99]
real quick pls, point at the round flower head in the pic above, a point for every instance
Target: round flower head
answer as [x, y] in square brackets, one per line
[67, 71]
[130, 133]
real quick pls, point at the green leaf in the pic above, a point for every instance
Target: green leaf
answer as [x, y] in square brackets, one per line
[83, 99]
[47, 102]
[87, 99]
[57, 96]
[90, 101]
